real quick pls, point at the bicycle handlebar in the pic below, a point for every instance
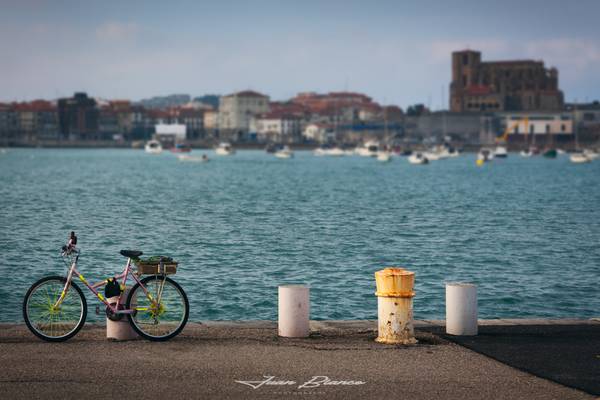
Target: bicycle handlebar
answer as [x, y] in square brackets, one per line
[67, 250]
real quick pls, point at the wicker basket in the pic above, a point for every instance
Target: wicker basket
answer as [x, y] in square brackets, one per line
[155, 268]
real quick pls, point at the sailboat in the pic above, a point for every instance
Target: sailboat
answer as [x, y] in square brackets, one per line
[578, 157]
[550, 151]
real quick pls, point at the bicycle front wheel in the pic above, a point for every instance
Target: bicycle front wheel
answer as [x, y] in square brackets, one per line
[50, 318]
[160, 308]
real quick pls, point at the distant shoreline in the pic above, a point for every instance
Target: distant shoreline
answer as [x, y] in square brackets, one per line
[109, 144]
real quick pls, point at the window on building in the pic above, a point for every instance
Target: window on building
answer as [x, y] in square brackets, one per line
[464, 80]
[465, 59]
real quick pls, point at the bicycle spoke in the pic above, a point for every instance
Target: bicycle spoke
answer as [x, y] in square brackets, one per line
[162, 315]
[46, 316]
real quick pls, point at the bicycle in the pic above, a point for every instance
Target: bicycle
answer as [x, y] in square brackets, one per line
[55, 308]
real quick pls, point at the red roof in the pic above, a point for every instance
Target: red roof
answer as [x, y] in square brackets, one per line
[34, 106]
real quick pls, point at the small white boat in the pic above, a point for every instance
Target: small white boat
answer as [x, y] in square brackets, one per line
[500, 152]
[560, 151]
[369, 149]
[384, 156]
[189, 158]
[284, 152]
[418, 158]
[431, 155]
[526, 153]
[439, 152]
[153, 147]
[590, 154]
[485, 155]
[579, 158]
[224, 149]
[329, 151]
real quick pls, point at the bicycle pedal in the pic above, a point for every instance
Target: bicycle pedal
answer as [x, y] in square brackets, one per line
[97, 310]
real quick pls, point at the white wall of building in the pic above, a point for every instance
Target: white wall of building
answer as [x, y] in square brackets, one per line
[539, 124]
[177, 130]
[237, 110]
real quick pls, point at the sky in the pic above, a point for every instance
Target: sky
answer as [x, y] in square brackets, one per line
[397, 52]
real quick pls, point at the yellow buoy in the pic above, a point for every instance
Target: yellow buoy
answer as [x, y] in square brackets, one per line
[480, 162]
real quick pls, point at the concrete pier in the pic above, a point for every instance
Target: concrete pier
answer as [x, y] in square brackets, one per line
[339, 360]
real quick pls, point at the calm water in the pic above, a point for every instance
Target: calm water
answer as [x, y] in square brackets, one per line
[527, 231]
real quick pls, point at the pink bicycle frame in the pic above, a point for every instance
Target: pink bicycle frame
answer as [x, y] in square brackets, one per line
[93, 287]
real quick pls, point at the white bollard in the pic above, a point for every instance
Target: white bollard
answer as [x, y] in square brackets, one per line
[461, 309]
[294, 311]
[120, 330]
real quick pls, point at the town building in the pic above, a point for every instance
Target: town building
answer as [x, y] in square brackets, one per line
[9, 131]
[236, 112]
[319, 133]
[192, 118]
[541, 128]
[211, 120]
[36, 121]
[515, 85]
[447, 127]
[170, 134]
[277, 126]
[78, 117]
[142, 125]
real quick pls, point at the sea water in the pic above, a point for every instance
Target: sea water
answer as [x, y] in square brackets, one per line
[526, 231]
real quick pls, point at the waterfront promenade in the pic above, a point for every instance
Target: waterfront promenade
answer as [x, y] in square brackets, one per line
[207, 359]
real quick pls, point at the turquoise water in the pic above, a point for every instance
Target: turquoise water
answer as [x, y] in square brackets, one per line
[527, 231]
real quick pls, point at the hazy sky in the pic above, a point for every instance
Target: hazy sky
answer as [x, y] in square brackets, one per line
[395, 51]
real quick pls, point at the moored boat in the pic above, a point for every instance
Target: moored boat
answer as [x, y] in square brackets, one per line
[579, 158]
[369, 149]
[590, 154]
[500, 152]
[153, 147]
[417, 158]
[550, 153]
[190, 158]
[224, 149]
[329, 151]
[526, 153]
[284, 152]
[485, 155]
[384, 156]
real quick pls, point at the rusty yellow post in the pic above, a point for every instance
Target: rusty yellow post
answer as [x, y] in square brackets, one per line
[394, 306]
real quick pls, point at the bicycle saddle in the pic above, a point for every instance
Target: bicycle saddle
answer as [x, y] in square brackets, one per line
[131, 253]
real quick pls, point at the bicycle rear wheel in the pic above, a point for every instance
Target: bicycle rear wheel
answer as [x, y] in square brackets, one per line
[47, 321]
[153, 319]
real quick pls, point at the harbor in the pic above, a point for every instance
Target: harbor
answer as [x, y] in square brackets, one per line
[246, 223]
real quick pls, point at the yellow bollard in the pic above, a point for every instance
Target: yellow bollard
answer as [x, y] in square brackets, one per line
[394, 306]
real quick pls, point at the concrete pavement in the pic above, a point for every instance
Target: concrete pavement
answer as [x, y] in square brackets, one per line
[230, 360]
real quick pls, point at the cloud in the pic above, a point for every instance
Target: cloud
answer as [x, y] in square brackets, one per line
[573, 55]
[117, 31]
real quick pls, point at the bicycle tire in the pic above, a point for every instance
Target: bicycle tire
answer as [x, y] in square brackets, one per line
[30, 324]
[133, 293]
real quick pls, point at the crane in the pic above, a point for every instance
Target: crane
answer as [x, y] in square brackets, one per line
[509, 128]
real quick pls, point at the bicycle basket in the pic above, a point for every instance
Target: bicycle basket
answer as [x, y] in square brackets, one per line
[153, 266]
